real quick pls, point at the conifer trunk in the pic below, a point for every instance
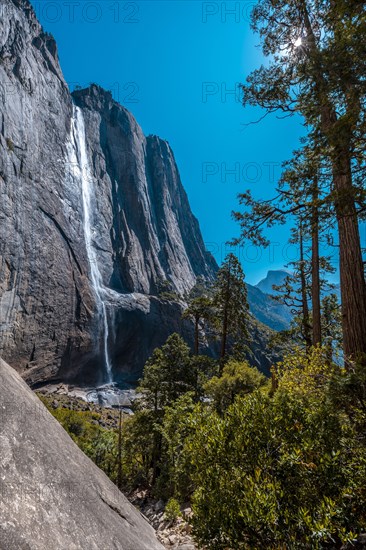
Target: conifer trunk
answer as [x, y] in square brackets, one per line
[352, 278]
[315, 268]
[304, 298]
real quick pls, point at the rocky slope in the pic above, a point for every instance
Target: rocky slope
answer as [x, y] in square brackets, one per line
[267, 311]
[51, 495]
[142, 229]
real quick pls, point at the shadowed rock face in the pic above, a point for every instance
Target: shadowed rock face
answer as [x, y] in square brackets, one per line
[266, 310]
[51, 495]
[143, 228]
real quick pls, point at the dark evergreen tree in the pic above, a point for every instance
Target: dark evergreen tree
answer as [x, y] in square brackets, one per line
[318, 69]
[231, 304]
[200, 309]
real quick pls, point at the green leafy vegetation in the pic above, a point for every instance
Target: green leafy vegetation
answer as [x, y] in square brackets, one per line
[172, 509]
[237, 378]
[279, 468]
[264, 464]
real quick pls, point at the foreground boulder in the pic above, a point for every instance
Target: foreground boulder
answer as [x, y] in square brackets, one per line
[51, 495]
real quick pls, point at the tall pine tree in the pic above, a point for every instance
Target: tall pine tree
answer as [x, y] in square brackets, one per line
[318, 69]
[232, 310]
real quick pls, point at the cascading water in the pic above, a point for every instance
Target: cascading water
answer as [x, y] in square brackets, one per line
[78, 130]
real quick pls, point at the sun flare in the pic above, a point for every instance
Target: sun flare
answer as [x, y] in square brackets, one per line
[298, 42]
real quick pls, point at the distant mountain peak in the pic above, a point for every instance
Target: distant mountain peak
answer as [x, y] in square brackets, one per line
[273, 277]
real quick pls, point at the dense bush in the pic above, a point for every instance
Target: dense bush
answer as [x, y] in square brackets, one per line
[172, 509]
[281, 471]
[238, 378]
[265, 466]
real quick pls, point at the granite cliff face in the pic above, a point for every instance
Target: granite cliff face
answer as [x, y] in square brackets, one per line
[93, 221]
[42, 269]
[145, 231]
[142, 230]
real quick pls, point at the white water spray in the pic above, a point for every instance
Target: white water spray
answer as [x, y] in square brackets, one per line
[78, 129]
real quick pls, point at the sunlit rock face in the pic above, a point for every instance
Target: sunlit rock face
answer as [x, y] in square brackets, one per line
[142, 228]
[51, 494]
[145, 228]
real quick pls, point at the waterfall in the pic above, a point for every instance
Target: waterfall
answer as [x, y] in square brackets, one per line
[88, 191]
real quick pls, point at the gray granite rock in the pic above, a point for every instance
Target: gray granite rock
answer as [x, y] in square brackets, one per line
[45, 298]
[144, 231]
[51, 495]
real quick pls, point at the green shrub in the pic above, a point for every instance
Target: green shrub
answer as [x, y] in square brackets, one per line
[267, 469]
[238, 378]
[281, 471]
[172, 510]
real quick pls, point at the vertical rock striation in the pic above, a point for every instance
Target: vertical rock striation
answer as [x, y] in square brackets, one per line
[143, 220]
[142, 228]
[45, 300]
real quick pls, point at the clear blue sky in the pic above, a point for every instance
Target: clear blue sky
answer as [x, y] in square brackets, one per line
[173, 64]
